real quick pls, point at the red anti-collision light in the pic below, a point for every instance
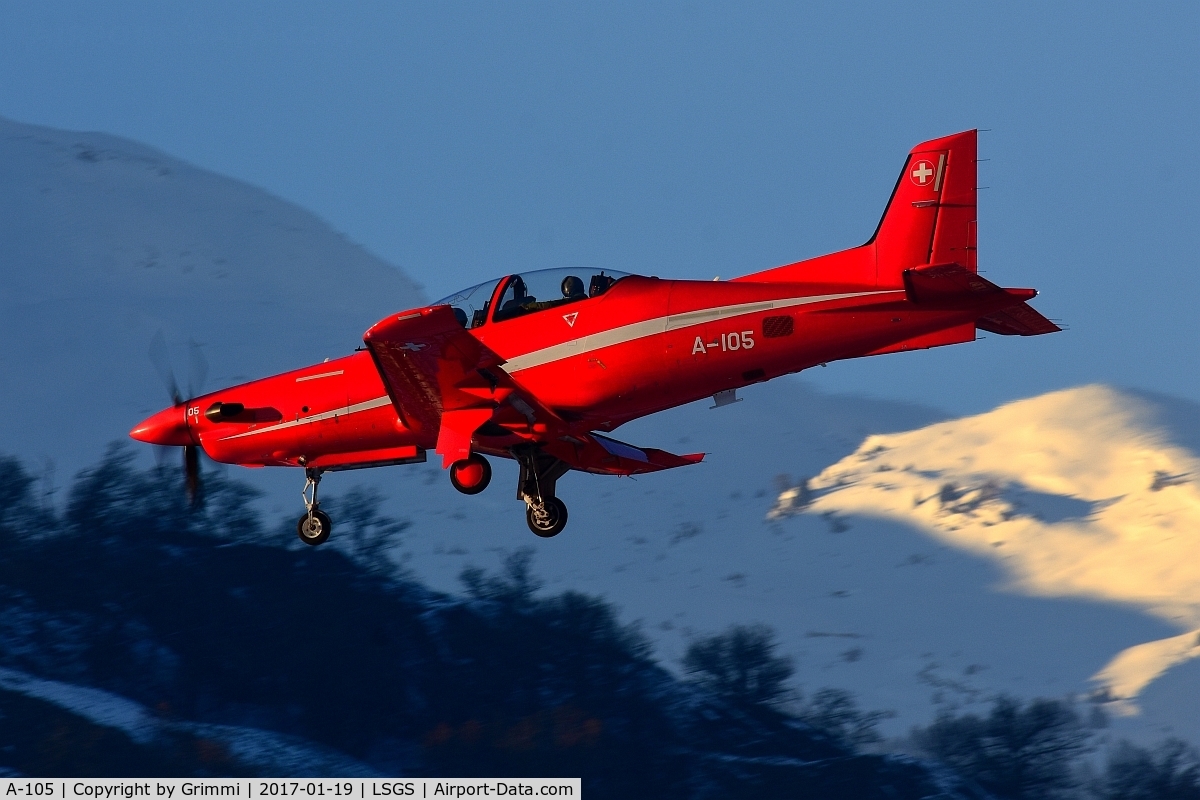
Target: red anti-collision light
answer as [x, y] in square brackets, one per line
[168, 427]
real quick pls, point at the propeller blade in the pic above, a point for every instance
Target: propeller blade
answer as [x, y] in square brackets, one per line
[161, 359]
[197, 369]
[191, 473]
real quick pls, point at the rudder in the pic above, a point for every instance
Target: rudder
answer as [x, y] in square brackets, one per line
[931, 217]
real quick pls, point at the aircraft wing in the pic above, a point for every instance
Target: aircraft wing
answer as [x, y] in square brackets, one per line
[592, 452]
[444, 383]
[430, 365]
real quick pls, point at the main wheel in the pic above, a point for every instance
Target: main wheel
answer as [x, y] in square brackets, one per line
[471, 475]
[553, 521]
[314, 529]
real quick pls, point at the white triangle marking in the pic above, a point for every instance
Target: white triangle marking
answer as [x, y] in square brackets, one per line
[570, 318]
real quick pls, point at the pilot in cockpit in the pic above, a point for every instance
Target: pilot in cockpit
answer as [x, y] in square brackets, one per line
[518, 299]
[572, 288]
[600, 284]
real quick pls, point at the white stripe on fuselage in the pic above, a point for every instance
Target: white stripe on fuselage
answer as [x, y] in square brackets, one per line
[651, 327]
[378, 402]
[319, 375]
[595, 341]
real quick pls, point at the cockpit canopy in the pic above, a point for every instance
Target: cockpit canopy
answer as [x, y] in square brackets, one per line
[529, 292]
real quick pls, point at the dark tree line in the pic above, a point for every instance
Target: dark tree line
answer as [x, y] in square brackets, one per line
[1037, 751]
[198, 613]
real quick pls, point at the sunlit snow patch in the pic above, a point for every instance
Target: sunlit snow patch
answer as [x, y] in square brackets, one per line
[1075, 493]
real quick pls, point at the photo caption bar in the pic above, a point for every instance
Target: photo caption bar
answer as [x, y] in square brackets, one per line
[175, 788]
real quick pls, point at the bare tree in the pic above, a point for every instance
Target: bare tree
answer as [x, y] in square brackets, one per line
[741, 666]
[1169, 772]
[1016, 751]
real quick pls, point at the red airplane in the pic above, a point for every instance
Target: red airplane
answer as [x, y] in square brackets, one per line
[539, 367]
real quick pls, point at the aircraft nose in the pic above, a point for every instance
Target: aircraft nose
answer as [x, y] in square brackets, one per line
[168, 426]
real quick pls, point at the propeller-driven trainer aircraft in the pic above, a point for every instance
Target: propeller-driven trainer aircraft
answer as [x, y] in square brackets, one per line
[541, 366]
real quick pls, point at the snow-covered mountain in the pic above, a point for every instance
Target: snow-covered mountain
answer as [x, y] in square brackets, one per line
[1084, 495]
[104, 242]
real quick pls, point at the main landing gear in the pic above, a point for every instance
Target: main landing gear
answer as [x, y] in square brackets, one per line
[315, 526]
[545, 513]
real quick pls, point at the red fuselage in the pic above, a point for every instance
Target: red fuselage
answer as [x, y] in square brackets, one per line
[644, 346]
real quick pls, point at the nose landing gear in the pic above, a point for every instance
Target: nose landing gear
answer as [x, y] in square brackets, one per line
[545, 514]
[315, 526]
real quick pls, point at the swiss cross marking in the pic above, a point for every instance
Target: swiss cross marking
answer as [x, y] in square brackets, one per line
[921, 173]
[413, 346]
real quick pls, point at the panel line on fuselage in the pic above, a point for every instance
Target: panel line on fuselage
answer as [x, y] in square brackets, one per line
[650, 327]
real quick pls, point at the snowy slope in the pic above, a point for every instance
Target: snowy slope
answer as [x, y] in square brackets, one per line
[1085, 493]
[878, 585]
[265, 752]
[104, 242]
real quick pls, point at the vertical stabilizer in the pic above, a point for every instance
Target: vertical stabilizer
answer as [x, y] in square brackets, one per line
[931, 216]
[930, 219]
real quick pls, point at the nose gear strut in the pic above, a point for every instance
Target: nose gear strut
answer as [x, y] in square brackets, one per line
[315, 526]
[545, 514]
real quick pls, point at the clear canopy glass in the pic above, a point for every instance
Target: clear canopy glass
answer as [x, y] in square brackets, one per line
[472, 302]
[531, 291]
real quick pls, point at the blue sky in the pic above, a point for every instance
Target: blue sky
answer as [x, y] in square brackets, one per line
[462, 141]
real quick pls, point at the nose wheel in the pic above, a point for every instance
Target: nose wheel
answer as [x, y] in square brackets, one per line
[315, 526]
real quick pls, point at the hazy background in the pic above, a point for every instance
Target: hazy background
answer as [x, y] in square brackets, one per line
[461, 141]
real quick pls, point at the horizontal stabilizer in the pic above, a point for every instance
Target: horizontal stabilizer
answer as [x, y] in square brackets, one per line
[946, 284]
[1018, 320]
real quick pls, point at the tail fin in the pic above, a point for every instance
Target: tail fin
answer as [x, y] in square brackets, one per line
[930, 219]
[931, 216]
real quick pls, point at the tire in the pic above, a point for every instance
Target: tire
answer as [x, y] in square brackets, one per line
[316, 532]
[471, 475]
[557, 519]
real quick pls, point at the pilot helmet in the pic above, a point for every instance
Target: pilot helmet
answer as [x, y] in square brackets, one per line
[572, 287]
